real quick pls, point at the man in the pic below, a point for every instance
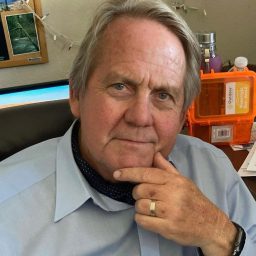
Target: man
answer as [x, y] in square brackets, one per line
[122, 181]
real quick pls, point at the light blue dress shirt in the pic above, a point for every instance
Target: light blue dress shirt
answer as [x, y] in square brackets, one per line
[47, 208]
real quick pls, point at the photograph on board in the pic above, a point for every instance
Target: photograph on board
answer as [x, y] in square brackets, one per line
[23, 33]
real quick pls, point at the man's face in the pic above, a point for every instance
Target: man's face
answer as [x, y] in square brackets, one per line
[132, 107]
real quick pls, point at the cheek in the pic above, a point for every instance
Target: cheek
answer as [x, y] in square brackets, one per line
[95, 126]
[167, 128]
[94, 118]
[99, 117]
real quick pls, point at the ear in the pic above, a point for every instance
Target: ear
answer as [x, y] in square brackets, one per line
[74, 101]
[183, 118]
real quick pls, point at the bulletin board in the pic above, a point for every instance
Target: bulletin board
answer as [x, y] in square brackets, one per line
[22, 37]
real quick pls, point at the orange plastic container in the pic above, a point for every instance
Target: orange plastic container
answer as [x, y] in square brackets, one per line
[225, 109]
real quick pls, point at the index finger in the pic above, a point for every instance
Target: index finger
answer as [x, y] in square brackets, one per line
[162, 163]
[142, 175]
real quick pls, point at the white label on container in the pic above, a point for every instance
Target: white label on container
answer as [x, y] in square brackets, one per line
[230, 98]
[222, 133]
[237, 97]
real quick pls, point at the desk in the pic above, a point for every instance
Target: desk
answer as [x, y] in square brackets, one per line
[237, 158]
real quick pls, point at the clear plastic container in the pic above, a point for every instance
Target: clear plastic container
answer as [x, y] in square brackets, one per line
[225, 109]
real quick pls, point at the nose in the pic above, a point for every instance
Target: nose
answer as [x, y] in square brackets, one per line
[139, 112]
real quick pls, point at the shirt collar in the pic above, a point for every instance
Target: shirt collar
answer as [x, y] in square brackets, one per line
[72, 190]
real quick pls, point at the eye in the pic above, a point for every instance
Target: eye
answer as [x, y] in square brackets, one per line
[119, 90]
[164, 96]
[163, 99]
[119, 86]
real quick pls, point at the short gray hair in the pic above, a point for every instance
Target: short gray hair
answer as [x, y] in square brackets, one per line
[156, 10]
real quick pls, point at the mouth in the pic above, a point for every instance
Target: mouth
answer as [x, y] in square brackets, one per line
[135, 142]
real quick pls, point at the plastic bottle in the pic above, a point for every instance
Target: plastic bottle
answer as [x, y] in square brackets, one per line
[240, 63]
[210, 59]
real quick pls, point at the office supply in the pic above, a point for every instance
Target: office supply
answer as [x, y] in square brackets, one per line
[248, 167]
[225, 110]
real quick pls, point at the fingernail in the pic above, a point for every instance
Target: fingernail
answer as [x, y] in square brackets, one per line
[117, 174]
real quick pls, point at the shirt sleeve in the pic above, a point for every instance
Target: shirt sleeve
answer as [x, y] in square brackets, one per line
[242, 210]
[249, 247]
[212, 171]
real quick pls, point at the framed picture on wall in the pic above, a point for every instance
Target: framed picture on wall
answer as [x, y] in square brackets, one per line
[22, 33]
[23, 41]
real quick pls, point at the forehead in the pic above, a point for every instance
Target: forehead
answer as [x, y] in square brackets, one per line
[126, 34]
[129, 40]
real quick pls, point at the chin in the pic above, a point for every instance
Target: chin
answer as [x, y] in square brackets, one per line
[109, 167]
[131, 162]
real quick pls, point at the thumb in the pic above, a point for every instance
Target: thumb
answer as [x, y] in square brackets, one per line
[161, 163]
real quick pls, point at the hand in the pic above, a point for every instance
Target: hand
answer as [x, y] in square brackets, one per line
[183, 213]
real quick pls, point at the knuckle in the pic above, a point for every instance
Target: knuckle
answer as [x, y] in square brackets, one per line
[140, 206]
[166, 176]
[137, 217]
[137, 206]
[152, 193]
[145, 177]
[136, 192]
[145, 191]
[140, 219]
[163, 211]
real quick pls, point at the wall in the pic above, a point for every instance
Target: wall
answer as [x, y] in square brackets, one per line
[234, 24]
[232, 20]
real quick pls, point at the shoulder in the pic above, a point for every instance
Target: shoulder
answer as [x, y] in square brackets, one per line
[198, 159]
[36, 153]
[27, 167]
[194, 144]
[194, 147]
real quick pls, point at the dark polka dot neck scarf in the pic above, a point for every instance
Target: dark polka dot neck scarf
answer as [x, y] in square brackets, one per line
[118, 191]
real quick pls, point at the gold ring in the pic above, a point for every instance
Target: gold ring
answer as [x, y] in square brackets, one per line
[152, 208]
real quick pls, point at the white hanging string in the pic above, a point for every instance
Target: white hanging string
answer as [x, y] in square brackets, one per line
[68, 42]
[181, 5]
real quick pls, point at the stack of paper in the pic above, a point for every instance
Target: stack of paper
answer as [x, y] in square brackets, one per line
[248, 167]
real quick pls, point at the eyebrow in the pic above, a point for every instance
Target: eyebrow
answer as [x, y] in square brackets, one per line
[122, 77]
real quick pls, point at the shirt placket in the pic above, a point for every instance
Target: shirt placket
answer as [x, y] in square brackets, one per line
[149, 243]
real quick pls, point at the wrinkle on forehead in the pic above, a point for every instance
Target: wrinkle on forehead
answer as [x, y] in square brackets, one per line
[127, 73]
[153, 57]
[133, 40]
[155, 60]
[145, 40]
[169, 59]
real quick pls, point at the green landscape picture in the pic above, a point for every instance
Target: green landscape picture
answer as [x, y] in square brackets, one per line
[23, 33]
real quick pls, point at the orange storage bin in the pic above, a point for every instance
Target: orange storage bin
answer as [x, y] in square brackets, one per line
[225, 109]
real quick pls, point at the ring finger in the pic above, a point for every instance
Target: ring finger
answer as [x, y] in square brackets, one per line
[150, 208]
